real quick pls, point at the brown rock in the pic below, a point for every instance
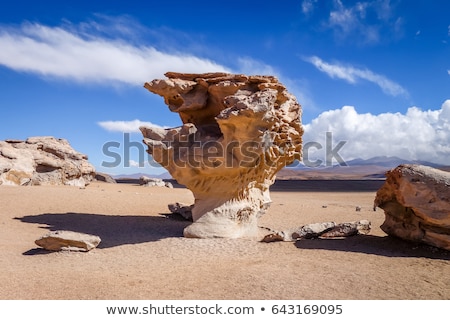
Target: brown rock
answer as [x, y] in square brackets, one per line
[238, 131]
[103, 177]
[322, 230]
[68, 240]
[181, 209]
[43, 161]
[347, 229]
[416, 203]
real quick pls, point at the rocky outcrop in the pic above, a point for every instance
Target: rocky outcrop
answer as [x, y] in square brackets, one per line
[238, 131]
[43, 161]
[103, 177]
[154, 182]
[416, 203]
[68, 240]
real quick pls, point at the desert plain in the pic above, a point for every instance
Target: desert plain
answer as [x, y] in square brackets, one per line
[143, 254]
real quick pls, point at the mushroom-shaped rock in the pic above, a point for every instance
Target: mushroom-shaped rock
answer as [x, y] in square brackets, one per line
[238, 131]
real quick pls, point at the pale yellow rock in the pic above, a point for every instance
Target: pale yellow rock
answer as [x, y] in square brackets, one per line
[238, 131]
[68, 240]
[416, 203]
[43, 161]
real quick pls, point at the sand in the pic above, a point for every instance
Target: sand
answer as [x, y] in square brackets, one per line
[144, 256]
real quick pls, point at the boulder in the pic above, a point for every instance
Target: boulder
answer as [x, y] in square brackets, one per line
[154, 182]
[416, 204]
[68, 240]
[103, 177]
[238, 131]
[43, 161]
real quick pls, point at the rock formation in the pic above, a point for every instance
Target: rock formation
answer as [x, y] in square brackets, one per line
[322, 230]
[183, 210]
[154, 182]
[416, 203]
[68, 240]
[103, 177]
[43, 161]
[238, 131]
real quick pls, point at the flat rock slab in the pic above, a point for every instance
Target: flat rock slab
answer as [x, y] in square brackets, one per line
[322, 230]
[68, 240]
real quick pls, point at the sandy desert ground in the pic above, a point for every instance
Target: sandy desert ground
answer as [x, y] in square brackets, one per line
[144, 256]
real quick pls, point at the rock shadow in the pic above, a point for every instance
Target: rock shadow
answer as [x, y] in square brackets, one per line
[113, 230]
[383, 246]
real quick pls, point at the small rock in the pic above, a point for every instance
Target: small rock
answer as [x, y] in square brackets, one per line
[168, 185]
[273, 237]
[183, 210]
[358, 208]
[324, 230]
[347, 229]
[103, 177]
[153, 182]
[68, 240]
[312, 230]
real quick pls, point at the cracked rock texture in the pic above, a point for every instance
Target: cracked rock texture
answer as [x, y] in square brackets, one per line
[238, 131]
[416, 203]
[43, 161]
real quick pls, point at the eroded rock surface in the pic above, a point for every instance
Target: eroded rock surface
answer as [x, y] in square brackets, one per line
[416, 203]
[43, 161]
[322, 230]
[154, 182]
[238, 131]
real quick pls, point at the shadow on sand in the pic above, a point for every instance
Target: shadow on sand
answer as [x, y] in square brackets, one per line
[113, 230]
[382, 246]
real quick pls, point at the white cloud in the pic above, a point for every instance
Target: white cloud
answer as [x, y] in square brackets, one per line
[308, 6]
[249, 65]
[134, 164]
[352, 21]
[126, 126]
[352, 75]
[85, 56]
[415, 135]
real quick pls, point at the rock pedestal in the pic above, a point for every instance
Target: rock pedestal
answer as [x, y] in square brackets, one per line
[238, 131]
[416, 203]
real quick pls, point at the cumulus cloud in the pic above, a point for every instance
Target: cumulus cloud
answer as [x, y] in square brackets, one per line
[126, 126]
[84, 55]
[416, 135]
[353, 75]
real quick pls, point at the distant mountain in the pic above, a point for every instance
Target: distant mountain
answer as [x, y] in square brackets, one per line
[134, 176]
[389, 162]
[357, 169]
[373, 168]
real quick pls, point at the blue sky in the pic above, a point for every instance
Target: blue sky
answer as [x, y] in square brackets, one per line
[374, 73]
